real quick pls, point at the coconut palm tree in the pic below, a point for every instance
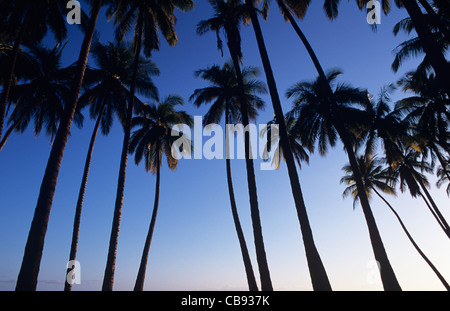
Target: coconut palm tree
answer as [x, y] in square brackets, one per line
[150, 141]
[107, 96]
[409, 172]
[43, 96]
[423, 26]
[224, 93]
[228, 16]
[323, 119]
[27, 25]
[146, 18]
[29, 270]
[378, 179]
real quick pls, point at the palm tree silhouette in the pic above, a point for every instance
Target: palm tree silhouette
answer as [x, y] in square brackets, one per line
[149, 142]
[376, 179]
[147, 18]
[43, 96]
[224, 93]
[324, 118]
[107, 95]
[26, 24]
[228, 17]
[29, 270]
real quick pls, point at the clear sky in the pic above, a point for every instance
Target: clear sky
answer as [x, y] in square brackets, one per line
[195, 245]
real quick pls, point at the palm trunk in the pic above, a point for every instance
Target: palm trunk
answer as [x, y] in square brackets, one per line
[317, 271]
[108, 280]
[305, 41]
[388, 277]
[77, 220]
[251, 280]
[27, 279]
[139, 285]
[9, 82]
[430, 46]
[421, 253]
[439, 156]
[264, 273]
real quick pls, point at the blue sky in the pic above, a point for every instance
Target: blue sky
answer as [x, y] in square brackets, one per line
[195, 245]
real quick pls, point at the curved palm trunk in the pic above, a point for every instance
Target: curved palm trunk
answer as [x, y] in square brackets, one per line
[421, 253]
[251, 280]
[9, 82]
[319, 277]
[139, 285]
[108, 279]
[430, 46]
[435, 18]
[388, 277]
[27, 279]
[79, 207]
[264, 273]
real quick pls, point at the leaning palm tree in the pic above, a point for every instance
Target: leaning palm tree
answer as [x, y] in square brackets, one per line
[43, 96]
[29, 270]
[107, 96]
[224, 93]
[409, 172]
[30, 25]
[228, 16]
[146, 18]
[379, 179]
[325, 118]
[149, 142]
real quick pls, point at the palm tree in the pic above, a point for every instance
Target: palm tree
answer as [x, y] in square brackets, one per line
[228, 16]
[404, 139]
[29, 270]
[28, 25]
[378, 179]
[319, 277]
[224, 93]
[324, 119]
[148, 18]
[408, 171]
[422, 25]
[106, 98]
[426, 113]
[152, 140]
[43, 96]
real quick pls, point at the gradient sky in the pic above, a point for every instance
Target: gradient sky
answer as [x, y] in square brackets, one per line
[195, 245]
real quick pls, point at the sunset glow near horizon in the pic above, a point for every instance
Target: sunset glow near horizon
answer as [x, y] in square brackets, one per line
[195, 246]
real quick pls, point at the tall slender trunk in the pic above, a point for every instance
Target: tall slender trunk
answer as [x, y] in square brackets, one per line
[388, 277]
[442, 161]
[79, 206]
[139, 285]
[430, 46]
[261, 257]
[27, 279]
[251, 280]
[108, 280]
[8, 84]
[421, 253]
[319, 277]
